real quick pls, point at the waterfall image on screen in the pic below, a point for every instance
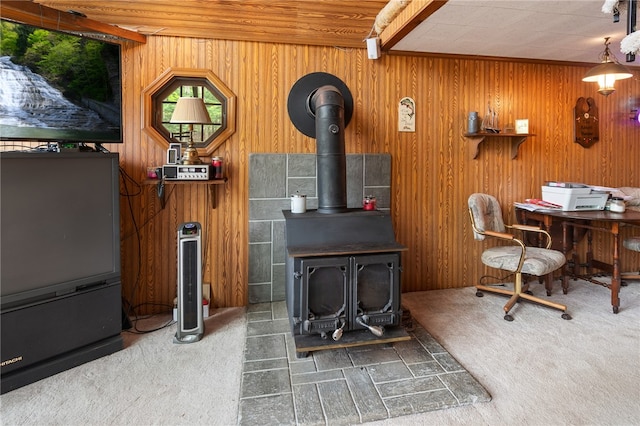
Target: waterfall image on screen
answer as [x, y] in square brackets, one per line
[57, 86]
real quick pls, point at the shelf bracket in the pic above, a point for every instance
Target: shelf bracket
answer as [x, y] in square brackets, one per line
[161, 184]
[475, 139]
[160, 193]
[474, 145]
[516, 141]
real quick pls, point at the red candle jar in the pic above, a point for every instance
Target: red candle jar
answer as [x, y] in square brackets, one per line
[369, 203]
[216, 163]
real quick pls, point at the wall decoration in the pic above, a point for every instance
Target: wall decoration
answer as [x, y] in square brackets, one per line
[407, 115]
[522, 126]
[587, 131]
[490, 121]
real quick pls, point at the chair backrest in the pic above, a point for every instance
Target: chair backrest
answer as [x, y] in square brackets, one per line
[486, 214]
[632, 243]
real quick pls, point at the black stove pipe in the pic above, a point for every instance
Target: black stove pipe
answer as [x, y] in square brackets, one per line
[331, 164]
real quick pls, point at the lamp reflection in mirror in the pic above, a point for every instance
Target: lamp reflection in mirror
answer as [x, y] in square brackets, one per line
[607, 72]
[190, 110]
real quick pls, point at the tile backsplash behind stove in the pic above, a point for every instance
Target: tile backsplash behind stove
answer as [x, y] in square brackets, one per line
[272, 180]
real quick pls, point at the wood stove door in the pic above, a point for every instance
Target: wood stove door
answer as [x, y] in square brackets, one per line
[324, 294]
[376, 290]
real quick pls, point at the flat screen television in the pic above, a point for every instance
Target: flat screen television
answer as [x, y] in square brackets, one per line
[59, 223]
[58, 86]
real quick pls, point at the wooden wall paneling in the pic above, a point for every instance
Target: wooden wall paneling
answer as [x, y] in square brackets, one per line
[471, 93]
[160, 274]
[229, 278]
[422, 159]
[432, 170]
[412, 169]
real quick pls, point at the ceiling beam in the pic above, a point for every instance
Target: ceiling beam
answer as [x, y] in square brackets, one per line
[407, 20]
[37, 15]
[631, 25]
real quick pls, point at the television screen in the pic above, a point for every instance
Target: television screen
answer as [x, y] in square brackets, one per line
[58, 86]
[59, 223]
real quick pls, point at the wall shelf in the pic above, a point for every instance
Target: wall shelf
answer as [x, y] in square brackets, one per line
[161, 183]
[516, 139]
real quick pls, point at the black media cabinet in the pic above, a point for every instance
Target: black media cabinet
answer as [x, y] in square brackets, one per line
[61, 297]
[59, 334]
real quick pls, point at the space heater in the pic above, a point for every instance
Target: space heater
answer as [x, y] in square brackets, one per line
[190, 325]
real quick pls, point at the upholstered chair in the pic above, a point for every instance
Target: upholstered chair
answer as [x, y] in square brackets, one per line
[511, 254]
[631, 243]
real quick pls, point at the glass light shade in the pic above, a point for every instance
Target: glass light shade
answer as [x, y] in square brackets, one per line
[190, 110]
[606, 75]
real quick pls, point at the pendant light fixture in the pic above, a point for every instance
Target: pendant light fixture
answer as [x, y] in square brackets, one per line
[607, 72]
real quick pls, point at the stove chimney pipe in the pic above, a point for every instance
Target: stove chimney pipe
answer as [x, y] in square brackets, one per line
[331, 164]
[320, 105]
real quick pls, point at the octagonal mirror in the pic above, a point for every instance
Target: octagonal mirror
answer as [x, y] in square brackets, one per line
[160, 99]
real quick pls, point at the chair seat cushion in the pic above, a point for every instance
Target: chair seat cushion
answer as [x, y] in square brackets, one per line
[632, 243]
[538, 261]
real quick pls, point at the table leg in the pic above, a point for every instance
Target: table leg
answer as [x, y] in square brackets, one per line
[548, 279]
[574, 247]
[615, 278]
[566, 268]
[589, 252]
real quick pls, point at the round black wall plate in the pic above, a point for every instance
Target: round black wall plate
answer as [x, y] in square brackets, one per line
[300, 94]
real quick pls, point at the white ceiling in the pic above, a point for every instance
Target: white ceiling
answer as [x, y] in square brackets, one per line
[568, 30]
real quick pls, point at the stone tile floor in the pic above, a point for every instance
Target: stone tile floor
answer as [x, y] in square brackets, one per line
[348, 385]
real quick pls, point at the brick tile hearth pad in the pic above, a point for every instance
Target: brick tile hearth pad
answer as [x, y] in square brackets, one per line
[347, 385]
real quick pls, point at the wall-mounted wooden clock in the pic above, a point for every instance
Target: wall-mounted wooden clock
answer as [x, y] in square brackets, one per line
[586, 124]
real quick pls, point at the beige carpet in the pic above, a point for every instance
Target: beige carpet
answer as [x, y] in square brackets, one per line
[539, 369]
[151, 381]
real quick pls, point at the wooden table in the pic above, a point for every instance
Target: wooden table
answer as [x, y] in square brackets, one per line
[572, 222]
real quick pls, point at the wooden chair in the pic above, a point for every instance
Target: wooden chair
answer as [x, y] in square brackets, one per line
[486, 219]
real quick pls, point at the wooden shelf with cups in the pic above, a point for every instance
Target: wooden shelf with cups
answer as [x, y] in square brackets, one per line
[516, 139]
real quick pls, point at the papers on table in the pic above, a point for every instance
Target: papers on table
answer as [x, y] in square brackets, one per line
[535, 204]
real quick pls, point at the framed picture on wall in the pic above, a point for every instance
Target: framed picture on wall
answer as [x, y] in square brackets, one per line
[522, 126]
[407, 115]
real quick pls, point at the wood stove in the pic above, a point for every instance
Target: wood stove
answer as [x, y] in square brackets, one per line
[343, 265]
[342, 275]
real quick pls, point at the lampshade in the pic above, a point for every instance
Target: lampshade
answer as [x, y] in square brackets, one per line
[190, 110]
[607, 72]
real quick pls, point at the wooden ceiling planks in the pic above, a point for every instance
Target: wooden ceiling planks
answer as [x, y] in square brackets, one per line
[319, 22]
[39, 15]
